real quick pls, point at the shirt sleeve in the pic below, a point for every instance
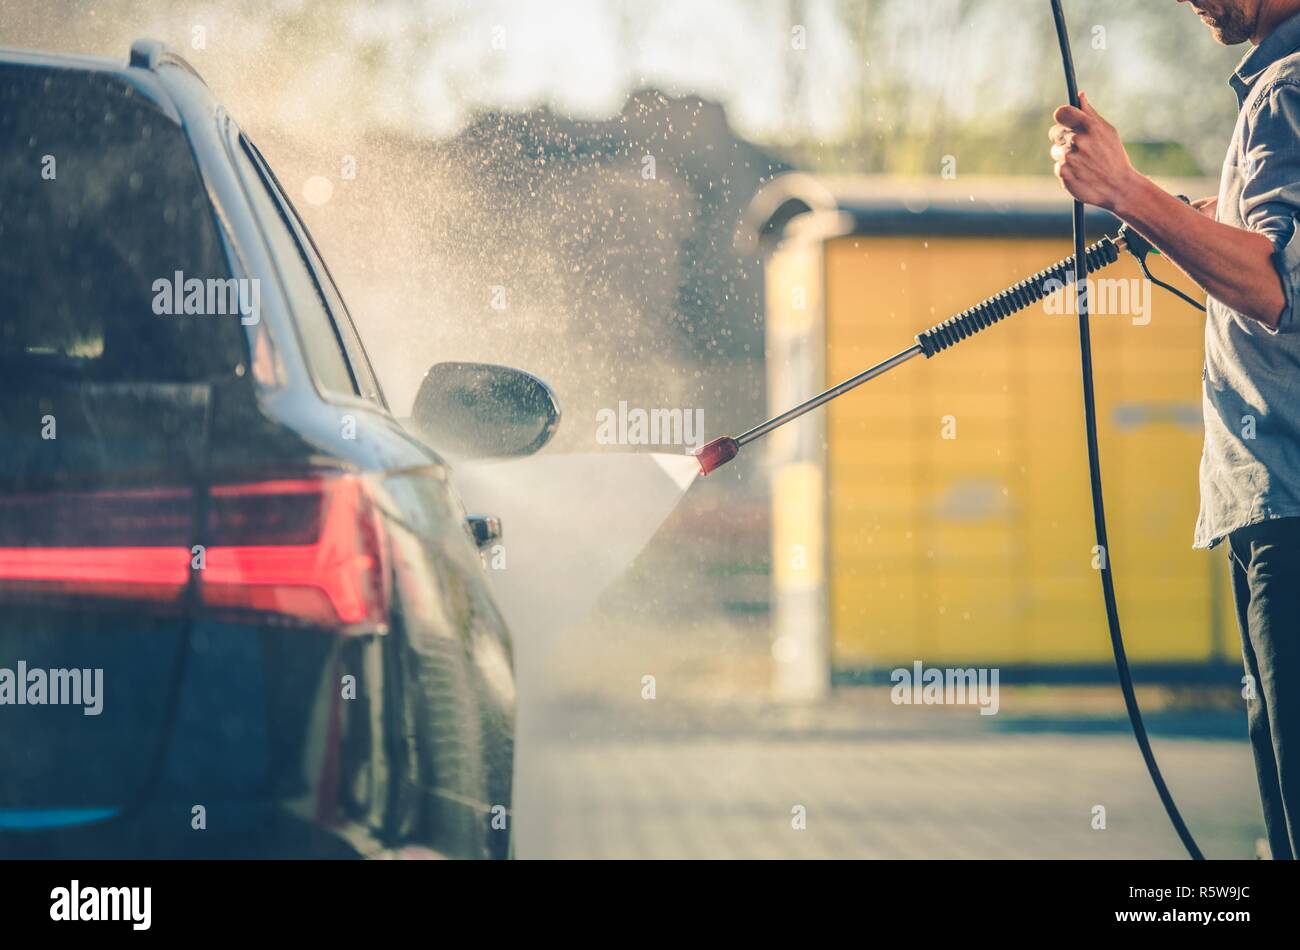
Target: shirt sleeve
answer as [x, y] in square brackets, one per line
[1270, 197]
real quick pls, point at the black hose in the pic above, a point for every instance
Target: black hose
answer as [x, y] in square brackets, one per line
[1094, 474]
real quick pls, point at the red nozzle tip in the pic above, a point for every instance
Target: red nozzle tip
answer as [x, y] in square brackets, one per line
[716, 454]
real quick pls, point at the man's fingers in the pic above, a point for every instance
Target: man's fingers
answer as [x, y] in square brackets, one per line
[1074, 119]
[1097, 118]
[1059, 135]
[1059, 152]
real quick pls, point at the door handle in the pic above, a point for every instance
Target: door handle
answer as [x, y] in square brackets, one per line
[485, 529]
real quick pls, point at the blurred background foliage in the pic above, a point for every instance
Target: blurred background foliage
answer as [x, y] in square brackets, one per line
[871, 85]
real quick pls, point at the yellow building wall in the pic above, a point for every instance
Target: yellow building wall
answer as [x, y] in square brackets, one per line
[979, 548]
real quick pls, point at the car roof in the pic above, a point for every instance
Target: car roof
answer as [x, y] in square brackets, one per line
[144, 68]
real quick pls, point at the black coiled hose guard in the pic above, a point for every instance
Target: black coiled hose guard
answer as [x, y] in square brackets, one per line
[1006, 302]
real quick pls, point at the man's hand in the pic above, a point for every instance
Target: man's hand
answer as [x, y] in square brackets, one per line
[1090, 159]
[1207, 206]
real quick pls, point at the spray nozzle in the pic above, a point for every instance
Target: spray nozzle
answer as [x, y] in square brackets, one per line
[716, 454]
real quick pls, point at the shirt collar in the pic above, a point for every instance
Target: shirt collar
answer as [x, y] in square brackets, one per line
[1284, 39]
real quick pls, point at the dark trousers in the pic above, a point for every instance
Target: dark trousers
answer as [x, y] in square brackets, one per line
[1265, 563]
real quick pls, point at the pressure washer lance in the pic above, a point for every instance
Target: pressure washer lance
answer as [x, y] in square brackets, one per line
[952, 331]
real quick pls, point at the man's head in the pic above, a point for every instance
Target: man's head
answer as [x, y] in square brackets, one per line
[1235, 21]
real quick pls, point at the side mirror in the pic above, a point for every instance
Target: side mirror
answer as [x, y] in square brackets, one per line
[478, 410]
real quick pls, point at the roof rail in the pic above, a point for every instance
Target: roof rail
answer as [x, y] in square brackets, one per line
[150, 54]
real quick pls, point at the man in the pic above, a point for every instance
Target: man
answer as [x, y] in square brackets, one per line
[1243, 249]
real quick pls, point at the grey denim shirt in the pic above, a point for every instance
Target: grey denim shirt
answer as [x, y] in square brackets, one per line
[1250, 466]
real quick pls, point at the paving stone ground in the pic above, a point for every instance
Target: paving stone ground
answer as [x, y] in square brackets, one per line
[713, 766]
[616, 794]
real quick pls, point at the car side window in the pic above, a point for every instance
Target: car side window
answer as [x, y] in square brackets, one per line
[361, 369]
[316, 329]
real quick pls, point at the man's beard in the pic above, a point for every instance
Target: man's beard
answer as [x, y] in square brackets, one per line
[1229, 26]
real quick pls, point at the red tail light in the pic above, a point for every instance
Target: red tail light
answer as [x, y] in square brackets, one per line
[116, 544]
[308, 550]
[311, 549]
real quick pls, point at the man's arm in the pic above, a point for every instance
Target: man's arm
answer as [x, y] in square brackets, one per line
[1233, 265]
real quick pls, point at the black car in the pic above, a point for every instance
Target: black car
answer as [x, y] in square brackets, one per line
[242, 611]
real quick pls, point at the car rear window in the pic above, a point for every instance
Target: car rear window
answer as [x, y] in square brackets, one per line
[102, 215]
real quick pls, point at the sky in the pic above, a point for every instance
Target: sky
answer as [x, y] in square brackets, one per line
[581, 56]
